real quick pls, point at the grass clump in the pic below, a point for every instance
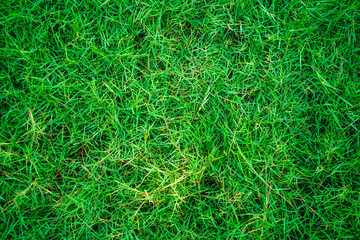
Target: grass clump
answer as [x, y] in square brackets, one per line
[179, 119]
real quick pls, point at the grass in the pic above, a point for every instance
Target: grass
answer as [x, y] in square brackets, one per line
[179, 119]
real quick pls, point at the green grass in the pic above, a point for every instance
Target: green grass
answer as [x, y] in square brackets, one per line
[179, 119]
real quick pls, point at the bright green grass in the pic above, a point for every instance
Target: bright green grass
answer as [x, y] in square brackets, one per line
[179, 119]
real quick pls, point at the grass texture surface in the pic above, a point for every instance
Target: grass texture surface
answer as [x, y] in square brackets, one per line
[174, 119]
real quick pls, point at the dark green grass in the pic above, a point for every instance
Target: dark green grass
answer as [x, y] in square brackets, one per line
[179, 119]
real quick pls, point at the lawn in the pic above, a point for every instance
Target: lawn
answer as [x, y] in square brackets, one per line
[194, 119]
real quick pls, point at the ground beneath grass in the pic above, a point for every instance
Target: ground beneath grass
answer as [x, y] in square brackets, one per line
[179, 119]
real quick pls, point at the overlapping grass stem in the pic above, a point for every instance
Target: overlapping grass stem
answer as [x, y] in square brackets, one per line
[179, 119]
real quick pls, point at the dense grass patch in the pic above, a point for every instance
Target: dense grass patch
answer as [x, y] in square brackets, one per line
[179, 119]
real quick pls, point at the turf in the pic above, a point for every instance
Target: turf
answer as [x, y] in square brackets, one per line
[179, 119]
